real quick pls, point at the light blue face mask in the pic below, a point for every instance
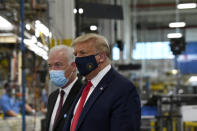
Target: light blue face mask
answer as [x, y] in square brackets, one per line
[58, 78]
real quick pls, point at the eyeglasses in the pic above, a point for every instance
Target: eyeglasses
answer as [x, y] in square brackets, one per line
[55, 65]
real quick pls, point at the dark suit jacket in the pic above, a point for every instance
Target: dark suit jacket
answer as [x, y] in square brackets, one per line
[67, 104]
[114, 105]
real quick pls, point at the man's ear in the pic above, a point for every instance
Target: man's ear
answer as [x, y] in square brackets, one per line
[102, 57]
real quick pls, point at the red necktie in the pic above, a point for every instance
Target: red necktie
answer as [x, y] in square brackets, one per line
[60, 105]
[80, 106]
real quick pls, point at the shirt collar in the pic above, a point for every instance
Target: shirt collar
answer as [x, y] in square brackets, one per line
[100, 75]
[68, 88]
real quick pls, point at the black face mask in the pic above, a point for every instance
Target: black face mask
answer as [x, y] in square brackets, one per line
[86, 64]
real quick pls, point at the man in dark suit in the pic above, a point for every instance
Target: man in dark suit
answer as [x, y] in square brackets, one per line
[62, 70]
[109, 102]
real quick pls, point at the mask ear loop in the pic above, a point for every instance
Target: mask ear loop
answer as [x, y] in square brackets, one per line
[70, 74]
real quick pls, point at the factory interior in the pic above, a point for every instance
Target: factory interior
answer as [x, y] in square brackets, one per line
[152, 44]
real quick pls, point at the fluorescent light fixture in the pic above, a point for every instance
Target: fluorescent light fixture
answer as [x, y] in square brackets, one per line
[180, 91]
[46, 48]
[28, 35]
[174, 35]
[34, 39]
[193, 79]
[31, 45]
[174, 71]
[116, 53]
[50, 34]
[93, 27]
[42, 28]
[74, 10]
[5, 25]
[37, 33]
[7, 34]
[80, 11]
[27, 26]
[187, 6]
[40, 44]
[177, 24]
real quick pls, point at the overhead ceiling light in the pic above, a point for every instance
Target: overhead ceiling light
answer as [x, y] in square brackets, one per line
[27, 26]
[40, 44]
[46, 48]
[177, 24]
[174, 71]
[42, 28]
[74, 10]
[31, 45]
[50, 34]
[187, 6]
[5, 25]
[174, 35]
[193, 79]
[34, 39]
[93, 27]
[7, 34]
[80, 11]
[37, 33]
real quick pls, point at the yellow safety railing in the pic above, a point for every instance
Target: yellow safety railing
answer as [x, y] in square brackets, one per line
[1, 115]
[152, 124]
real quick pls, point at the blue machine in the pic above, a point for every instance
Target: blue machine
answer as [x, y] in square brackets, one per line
[187, 61]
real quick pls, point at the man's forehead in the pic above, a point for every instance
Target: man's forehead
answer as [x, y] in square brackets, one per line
[58, 57]
[58, 53]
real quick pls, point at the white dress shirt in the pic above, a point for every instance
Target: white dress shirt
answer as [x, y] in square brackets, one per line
[66, 90]
[95, 82]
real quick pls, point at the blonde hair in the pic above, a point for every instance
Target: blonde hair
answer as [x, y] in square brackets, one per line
[100, 42]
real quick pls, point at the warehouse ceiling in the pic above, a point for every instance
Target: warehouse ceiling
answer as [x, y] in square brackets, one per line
[10, 10]
[154, 13]
[151, 14]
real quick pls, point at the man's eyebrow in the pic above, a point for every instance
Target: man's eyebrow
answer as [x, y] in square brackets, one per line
[82, 51]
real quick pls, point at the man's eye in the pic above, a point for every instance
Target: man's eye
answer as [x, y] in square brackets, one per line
[57, 65]
[82, 52]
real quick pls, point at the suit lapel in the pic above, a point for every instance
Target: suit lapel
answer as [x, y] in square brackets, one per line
[99, 89]
[51, 106]
[69, 100]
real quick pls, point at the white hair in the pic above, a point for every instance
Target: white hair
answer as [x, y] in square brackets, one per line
[68, 52]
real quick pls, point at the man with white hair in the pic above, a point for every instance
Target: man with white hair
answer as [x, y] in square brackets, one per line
[62, 71]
